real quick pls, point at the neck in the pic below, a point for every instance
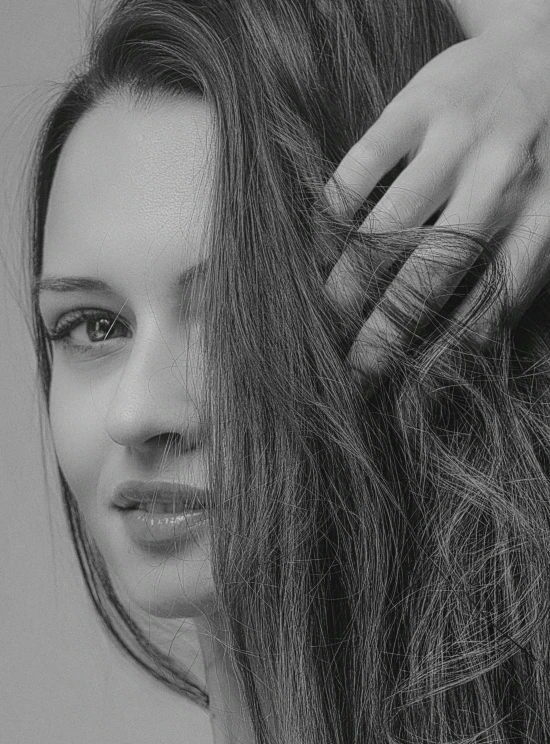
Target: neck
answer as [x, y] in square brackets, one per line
[229, 719]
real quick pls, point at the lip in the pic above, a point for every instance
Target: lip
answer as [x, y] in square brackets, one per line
[158, 528]
[143, 496]
[163, 532]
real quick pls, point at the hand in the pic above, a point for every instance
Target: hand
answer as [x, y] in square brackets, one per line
[474, 125]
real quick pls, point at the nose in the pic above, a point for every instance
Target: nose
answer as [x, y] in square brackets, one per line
[159, 395]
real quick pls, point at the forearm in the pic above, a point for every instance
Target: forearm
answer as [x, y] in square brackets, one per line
[475, 16]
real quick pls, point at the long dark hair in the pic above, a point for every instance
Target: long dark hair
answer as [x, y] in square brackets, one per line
[383, 563]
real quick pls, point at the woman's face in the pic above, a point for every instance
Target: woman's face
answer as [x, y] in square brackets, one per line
[125, 229]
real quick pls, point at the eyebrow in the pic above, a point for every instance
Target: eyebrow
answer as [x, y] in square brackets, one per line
[85, 284]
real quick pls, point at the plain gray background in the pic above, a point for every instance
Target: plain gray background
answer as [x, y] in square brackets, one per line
[61, 680]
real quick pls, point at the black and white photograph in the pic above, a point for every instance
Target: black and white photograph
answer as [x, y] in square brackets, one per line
[275, 371]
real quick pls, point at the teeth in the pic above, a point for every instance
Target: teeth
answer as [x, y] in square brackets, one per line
[158, 507]
[163, 508]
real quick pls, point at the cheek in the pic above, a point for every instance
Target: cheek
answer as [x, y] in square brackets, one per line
[78, 434]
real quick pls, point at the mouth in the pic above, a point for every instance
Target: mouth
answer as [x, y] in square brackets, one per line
[161, 514]
[159, 497]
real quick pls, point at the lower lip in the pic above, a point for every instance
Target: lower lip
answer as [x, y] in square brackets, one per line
[162, 530]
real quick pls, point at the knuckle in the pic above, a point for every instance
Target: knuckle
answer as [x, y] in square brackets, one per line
[423, 285]
[530, 162]
[404, 300]
[372, 147]
[406, 203]
[512, 166]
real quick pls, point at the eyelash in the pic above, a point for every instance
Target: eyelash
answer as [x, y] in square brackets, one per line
[75, 318]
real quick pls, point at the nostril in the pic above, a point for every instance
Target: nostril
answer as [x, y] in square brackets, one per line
[176, 443]
[169, 440]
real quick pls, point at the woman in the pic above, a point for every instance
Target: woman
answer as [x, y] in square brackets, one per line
[361, 567]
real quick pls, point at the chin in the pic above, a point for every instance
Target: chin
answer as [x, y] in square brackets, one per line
[167, 592]
[174, 583]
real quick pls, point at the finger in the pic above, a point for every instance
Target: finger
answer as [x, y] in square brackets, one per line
[351, 276]
[426, 280]
[526, 260]
[389, 139]
[482, 202]
[423, 285]
[486, 198]
[488, 212]
[419, 191]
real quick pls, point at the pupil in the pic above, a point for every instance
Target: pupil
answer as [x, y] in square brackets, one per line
[98, 329]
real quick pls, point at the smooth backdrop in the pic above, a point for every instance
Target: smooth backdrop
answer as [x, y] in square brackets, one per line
[61, 680]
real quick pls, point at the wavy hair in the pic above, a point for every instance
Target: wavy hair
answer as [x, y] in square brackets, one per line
[383, 564]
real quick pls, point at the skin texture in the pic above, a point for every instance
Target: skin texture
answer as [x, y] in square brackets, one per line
[477, 15]
[473, 127]
[129, 206]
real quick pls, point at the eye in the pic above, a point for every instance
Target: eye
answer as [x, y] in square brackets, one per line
[87, 330]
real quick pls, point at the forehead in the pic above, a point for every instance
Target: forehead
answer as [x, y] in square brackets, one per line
[132, 186]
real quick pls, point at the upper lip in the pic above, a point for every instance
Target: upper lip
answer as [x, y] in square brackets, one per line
[136, 494]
